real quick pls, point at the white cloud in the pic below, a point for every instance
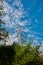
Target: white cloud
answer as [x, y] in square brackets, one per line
[11, 39]
[30, 35]
[26, 30]
[13, 14]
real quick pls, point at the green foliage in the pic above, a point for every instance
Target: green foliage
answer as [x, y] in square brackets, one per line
[27, 55]
[20, 55]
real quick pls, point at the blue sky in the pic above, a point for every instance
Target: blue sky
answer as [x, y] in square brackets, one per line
[28, 14]
[35, 14]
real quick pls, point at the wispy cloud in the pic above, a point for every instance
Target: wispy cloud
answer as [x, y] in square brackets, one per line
[14, 15]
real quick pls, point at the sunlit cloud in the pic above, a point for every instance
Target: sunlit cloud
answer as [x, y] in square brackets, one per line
[15, 15]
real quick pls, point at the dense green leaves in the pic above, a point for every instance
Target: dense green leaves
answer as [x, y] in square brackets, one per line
[20, 55]
[27, 55]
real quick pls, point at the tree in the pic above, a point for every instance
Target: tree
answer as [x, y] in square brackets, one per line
[3, 31]
[27, 55]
